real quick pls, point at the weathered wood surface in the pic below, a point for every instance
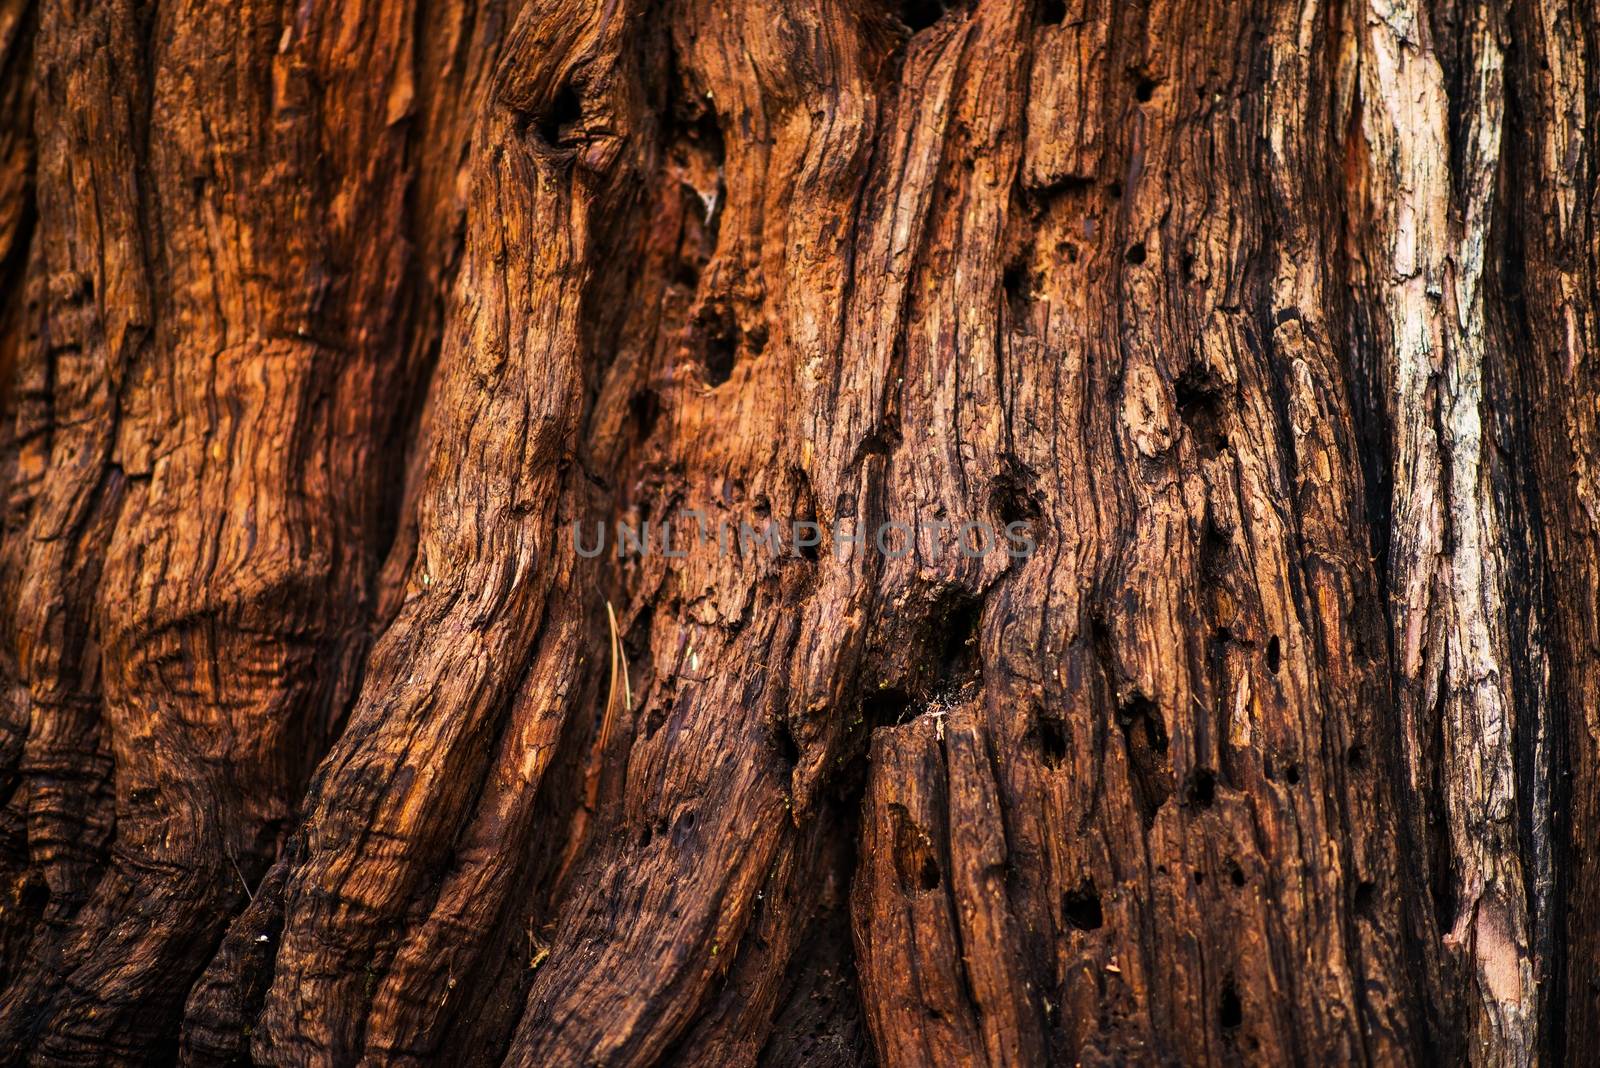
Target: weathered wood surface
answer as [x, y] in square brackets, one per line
[1270, 326]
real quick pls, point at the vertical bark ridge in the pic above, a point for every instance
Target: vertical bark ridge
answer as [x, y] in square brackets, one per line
[704, 831]
[94, 321]
[388, 802]
[1425, 251]
[16, 173]
[1550, 267]
[1172, 690]
[20, 387]
[235, 429]
[94, 326]
[938, 945]
[454, 47]
[738, 1023]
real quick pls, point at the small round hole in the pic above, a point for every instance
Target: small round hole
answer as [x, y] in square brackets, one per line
[1081, 907]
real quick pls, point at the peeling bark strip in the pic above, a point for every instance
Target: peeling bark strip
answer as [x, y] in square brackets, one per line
[1268, 325]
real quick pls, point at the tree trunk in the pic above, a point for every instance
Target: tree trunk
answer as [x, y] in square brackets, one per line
[817, 532]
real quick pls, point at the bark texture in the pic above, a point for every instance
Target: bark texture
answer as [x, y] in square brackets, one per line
[332, 333]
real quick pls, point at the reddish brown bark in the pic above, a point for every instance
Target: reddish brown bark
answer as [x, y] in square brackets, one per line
[1266, 328]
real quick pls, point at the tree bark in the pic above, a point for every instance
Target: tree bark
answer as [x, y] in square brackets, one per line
[1259, 337]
